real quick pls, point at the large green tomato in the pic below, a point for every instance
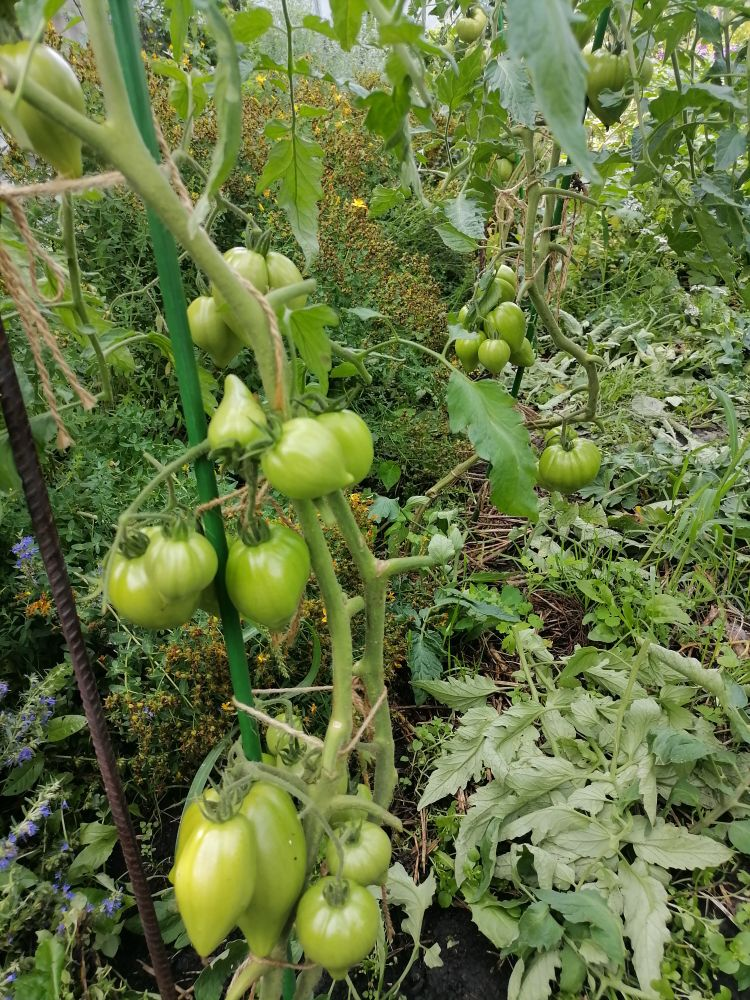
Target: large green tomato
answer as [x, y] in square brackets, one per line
[471, 27]
[524, 357]
[282, 272]
[337, 924]
[251, 266]
[307, 461]
[568, 468]
[239, 420]
[354, 438]
[180, 565]
[214, 880]
[31, 128]
[494, 355]
[193, 819]
[606, 71]
[510, 322]
[366, 851]
[134, 595]
[210, 332]
[265, 582]
[467, 351]
[281, 853]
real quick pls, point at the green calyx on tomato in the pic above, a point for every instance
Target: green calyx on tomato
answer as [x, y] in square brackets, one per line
[337, 924]
[508, 322]
[209, 331]
[471, 27]
[568, 464]
[214, 879]
[180, 564]
[365, 852]
[265, 581]
[238, 423]
[276, 739]
[308, 460]
[31, 128]
[467, 351]
[494, 355]
[281, 864]
[133, 593]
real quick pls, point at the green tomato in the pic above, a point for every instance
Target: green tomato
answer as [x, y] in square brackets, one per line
[606, 71]
[524, 357]
[281, 853]
[210, 332]
[192, 821]
[307, 461]
[265, 582]
[276, 739]
[214, 880]
[181, 564]
[471, 27]
[501, 173]
[467, 351]
[238, 421]
[510, 323]
[494, 355]
[500, 290]
[337, 924]
[33, 129]
[354, 439]
[508, 275]
[282, 272]
[134, 595]
[251, 266]
[366, 851]
[568, 469]
[463, 313]
[646, 72]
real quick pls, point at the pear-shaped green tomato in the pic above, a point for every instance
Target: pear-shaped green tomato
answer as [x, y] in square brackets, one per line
[510, 323]
[192, 820]
[471, 27]
[494, 355]
[282, 272]
[307, 461]
[209, 331]
[135, 597]
[265, 582]
[524, 357]
[354, 438]
[181, 565]
[239, 420]
[467, 351]
[502, 171]
[505, 273]
[31, 128]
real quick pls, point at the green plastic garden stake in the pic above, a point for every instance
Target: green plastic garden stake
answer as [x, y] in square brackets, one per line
[175, 308]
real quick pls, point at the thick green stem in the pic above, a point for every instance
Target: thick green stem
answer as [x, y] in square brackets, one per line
[74, 273]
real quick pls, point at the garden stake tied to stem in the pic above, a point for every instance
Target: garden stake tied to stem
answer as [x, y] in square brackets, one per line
[45, 530]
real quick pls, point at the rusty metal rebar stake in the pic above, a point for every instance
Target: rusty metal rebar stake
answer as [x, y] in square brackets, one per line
[45, 530]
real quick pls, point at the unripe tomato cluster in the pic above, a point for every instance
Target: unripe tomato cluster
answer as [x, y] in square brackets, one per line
[213, 326]
[502, 335]
[162, 585]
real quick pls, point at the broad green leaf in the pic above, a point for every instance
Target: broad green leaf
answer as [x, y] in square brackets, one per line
[308, 329]
[250, 25]
[534, 982]
[486, 411]
[179, 15]
[314, 23]
[455, 240]
[494, 921]
[671, 846]
[466, 215]
[714, 243]
[730, 145]
[538, 929]
[646, 918]
[452, 87]
[228, 103]
[539, 32]
[672, 746]
[24, 776]
[296, 164]
[100, 840]
[508, 77]
[387, 116]
[415, 899]
[210, 983]
[463, 756]
[424, 651]
[347, 20]
[588, 906]
[64, 726]
[460, 693]
[383, 200]
[739, 835]
[400, 32]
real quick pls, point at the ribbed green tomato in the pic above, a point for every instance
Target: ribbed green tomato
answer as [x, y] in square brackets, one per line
[494, 355]
[265, 582]
[306, 462]
[472, 26]
[467, 351]
[569, 468]
[354, 438]
[507, 274]
[606, 71]
[134, 595]
[238, 421]
[214, 880]
[282, 272]
[31, 128]
[180, 565]
[502, 170]
[209, 331]
[366, 851]
[281, 853]
[191, 823]
[510, 323]
[337, 924]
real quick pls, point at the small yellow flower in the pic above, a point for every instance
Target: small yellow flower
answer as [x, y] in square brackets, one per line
[324, 617]
[227, 706]
[355, 497]
[359, 203]
[261, 657]
[267, 193]
[260, 79]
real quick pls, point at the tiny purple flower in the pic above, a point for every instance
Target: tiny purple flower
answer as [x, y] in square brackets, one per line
[28, 829]
[65, 846]
[44, 810]
[111, 906]
[61, 929]
[4, 863]
[26, 753]
[12, 839]
[64, 804]
[3, 689]
[11, 977]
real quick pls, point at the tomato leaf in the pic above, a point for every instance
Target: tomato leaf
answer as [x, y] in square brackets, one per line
[249, 25]
[383, 199]
[308, 329]
[228, 102]
[296, 162]
[509, 79]
[487, 413]
[539, 32]
[454, 239]
[347, 20]
[415, 899]
[179, 15]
